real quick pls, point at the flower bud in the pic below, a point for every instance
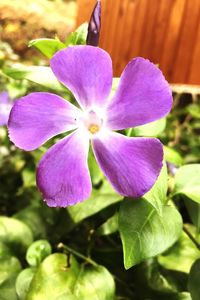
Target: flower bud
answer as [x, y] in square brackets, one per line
[94, 26]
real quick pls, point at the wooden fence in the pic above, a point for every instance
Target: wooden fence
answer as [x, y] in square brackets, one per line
[165, 31]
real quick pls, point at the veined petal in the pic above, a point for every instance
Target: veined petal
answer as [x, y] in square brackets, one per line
[132, 165]
[86, 71]
[39, 116]
[63, 175]
[143, 96]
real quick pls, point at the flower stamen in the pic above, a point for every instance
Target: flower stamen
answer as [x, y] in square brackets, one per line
[93, 128]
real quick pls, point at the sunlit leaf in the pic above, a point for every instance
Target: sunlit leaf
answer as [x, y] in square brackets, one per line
[37, 252]
[98, 200]
[187, 182]
[94, 283]
[157, 196]
[149, 130]
[37, 74]
[172, 156]
[23, 282]
[78, 37]
[48, 47]
[16, 234]
[181, 255]
[144, 232]
[54, 279]
[9, 269]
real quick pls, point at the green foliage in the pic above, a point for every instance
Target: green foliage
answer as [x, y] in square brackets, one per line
[144, 232]
[37, 252]
[193, 282]
[61, 277]
[187, 182]
[78, 37]
[182, 254]
[48, 47]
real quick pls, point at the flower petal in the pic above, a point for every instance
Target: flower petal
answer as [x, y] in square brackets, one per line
[39, 116]
[143, 96]
[132, 165]
[86, 71]
[63, 175]
[5, 108]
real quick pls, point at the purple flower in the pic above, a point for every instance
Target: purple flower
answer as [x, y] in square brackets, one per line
[94, 26]
[5, 108]
[132, 165]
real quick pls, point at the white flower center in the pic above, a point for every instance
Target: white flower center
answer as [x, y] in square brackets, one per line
[92, 121]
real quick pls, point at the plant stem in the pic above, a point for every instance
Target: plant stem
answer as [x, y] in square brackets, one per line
[191, 237]
[76, 253]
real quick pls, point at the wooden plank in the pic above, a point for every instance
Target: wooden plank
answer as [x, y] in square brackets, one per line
[160, 30]
[194, 73]
[150, 21]
[165, 31]
[186, 41]
[171, 38]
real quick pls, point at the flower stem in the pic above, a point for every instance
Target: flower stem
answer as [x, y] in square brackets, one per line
[191, 237]
[76, 253]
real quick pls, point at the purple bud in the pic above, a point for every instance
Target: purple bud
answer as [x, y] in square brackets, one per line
[94, 26]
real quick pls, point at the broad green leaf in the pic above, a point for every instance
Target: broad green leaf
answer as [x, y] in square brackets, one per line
[78, 37]
[9, 269]
[157, 196]
[98, 200]
[172, 156]
[54, 279]
[15, 234]
[37, 252]
[48, 47]
[37, 74]
[144, 232]
[149, 130]
[109, 227]
[23, 282]
[187, 182]
[94, 283]
[194, 280]
[181, 255]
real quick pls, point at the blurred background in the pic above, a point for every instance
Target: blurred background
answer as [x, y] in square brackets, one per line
[165, 31]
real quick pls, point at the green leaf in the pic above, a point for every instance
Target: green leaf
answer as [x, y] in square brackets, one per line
[37, 74]
[181, 255]
[157, 196]
[48, 47]
[193, 281]
[144, 232]
[149, 130]
[15, 234]
[79, 36]
[109, 227]
[37, 252]
[172, 156]
[23, 282]
[94, 283]
[187, 182]
[9, 269]
[194, 110]
[98, 200]
[54, 279]
[95, 172]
